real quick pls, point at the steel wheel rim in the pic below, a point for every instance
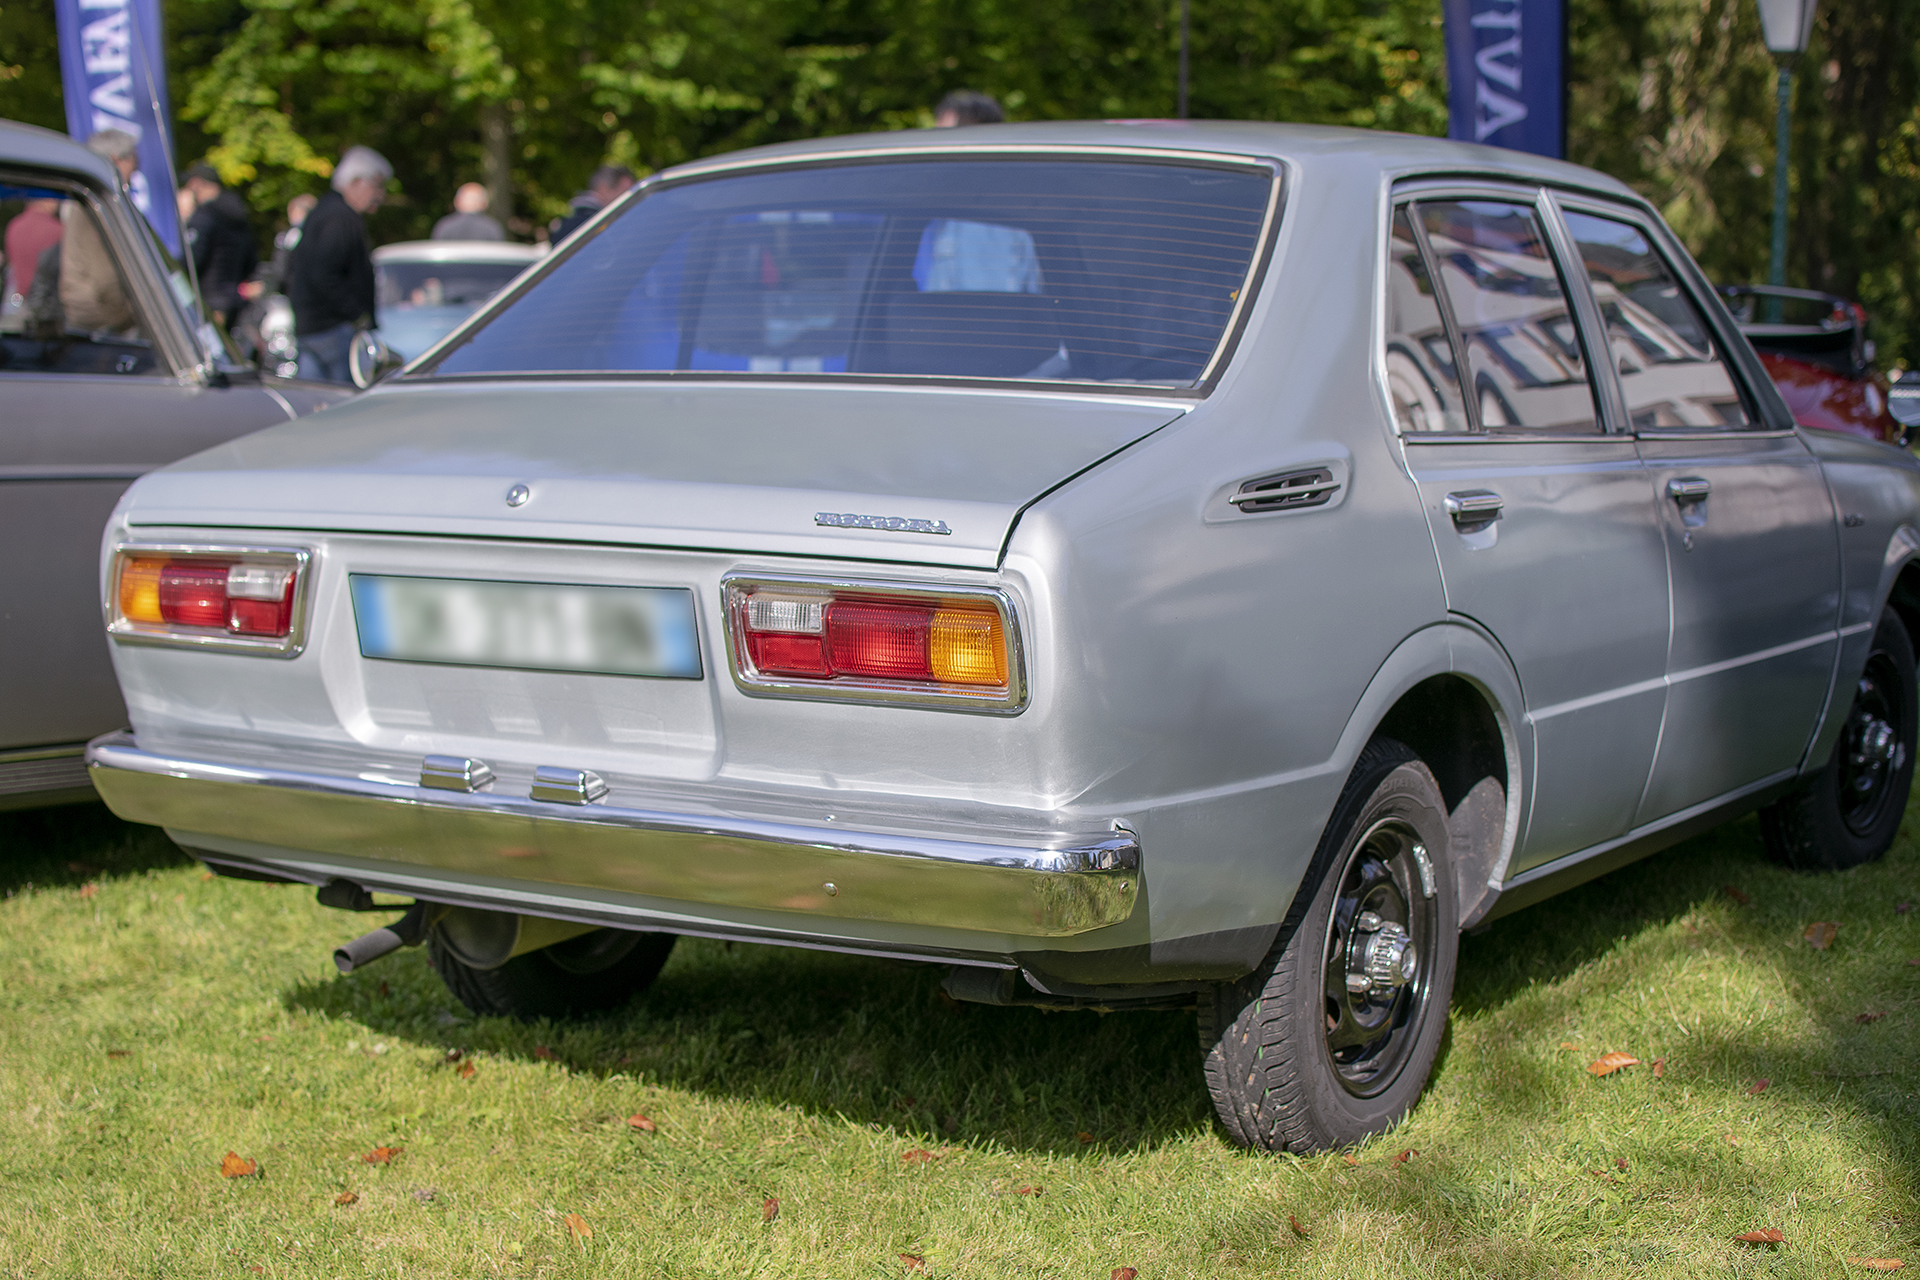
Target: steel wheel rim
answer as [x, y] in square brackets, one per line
[1368, 1034]
[1873, 746]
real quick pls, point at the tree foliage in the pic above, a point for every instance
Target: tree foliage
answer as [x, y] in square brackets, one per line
[1675, 97]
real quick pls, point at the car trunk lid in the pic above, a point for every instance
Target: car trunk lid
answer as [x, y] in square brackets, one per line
[934, 476]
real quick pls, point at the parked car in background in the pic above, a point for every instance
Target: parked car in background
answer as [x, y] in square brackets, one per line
[1815, 348]
[107, 370]
[425, 288]
[1131, 566]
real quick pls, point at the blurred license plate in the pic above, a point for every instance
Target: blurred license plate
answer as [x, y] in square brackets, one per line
[628, 631]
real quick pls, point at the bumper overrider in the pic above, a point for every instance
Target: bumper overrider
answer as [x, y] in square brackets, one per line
[414, 834]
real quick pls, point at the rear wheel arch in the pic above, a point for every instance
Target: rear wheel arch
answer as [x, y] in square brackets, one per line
[1449, 694]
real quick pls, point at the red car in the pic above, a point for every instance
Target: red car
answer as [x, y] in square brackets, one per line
[1815, 348]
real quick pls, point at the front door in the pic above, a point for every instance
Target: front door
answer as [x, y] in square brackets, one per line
[1749, 526]
[1545, 532]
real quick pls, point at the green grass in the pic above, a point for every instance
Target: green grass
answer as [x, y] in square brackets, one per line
[165, 1018]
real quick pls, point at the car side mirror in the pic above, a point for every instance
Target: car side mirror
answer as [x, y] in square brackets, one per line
[1903, 399]
[369, 359]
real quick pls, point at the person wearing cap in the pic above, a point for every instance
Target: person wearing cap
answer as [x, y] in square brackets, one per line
[469, 219]
[220, 237]
[330, 272]
[963, 107]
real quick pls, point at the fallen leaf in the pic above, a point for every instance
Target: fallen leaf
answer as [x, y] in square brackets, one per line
[1084, 1136]
[913, 1262]
[232, 1166]
[383, 989]
[382, 1155]
[88, 890]
[1123, 1273]
[1608, 1063]
[425, 1195]
[1568, 1044]
[1350, 1158]
[1900, 909]
[1733, 891]
[1877, 1264]
[1875, 1016]
[206, 875]
[1764, 1235]
[641, 1123]
[1730, 1138]
[769, 1209]
[1297, 1228]
[578, 1226]
[919, 1156]
[1659, 1068]
[1915, 961]
[545, 1054]
[1027, 1191]
[466, 1070]
[1405, 1156]
[1620, 1163]
[259, 1271]
[454, 1055]
[1760, 1085]
[118, 1053]
[1821, 933]
[346, 1198]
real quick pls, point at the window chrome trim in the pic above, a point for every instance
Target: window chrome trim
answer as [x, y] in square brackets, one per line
[875, 693]
[1228, 344]
[289, 646]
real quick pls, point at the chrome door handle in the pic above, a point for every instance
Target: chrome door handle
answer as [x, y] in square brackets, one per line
[1474, 506]
[1689, 488]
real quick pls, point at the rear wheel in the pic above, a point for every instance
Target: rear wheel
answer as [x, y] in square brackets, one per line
[1850, 811]
[1332, 1038]
[589, 974]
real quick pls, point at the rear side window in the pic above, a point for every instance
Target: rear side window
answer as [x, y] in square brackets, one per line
[1051, 268]
[1420, 369]
[1671, 372]
[1521, 348]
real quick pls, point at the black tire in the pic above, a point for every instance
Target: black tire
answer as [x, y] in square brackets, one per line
[1850, 811]
[1295, 1059]
[589, 974]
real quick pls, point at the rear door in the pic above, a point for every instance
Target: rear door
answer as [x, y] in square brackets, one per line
[1541, 517]
[1746, 514]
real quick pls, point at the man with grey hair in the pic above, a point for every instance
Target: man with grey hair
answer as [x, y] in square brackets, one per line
[92, 295]
[330, 272]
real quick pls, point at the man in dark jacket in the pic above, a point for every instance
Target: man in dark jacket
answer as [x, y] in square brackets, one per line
[221, 239]
[330, 272]
[608, 183]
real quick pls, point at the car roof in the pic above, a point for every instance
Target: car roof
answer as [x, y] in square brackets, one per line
[28, 144]
[457, 251]
[1308, 146]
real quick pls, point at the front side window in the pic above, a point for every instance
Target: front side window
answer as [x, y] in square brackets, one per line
[1523, 362]
[1671, 373]
[1054, 268]
[1420, 368]
[65, 305]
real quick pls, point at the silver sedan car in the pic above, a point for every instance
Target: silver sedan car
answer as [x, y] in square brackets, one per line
[1130, 565]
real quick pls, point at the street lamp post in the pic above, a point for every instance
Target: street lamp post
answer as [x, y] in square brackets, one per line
[1785, 25]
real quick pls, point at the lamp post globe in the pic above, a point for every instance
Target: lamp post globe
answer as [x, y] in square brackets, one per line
[1785, 25]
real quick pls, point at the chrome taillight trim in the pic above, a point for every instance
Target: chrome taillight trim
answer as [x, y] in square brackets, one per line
[124, 631]
[1008, 702]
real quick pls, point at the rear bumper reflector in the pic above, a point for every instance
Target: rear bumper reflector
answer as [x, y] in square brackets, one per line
[1049, 887]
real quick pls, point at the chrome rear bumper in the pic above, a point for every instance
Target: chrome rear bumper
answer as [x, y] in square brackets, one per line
[1048, 888]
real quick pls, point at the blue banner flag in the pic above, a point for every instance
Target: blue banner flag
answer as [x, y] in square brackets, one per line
[114, 74]
[1506, 72]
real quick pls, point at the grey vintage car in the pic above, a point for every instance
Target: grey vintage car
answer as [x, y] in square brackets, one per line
[106, 371]
[1130, 564]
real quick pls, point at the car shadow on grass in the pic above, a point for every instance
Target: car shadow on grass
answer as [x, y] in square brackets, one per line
[73, 844]
[874, 1042]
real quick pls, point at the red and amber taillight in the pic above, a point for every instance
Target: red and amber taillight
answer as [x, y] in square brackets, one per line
[229, 597]
[875, 642]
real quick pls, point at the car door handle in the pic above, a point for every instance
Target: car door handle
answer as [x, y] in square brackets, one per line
[1474, 506]
[1684, 489]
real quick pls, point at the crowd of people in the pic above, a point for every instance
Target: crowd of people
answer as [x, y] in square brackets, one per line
[60, 274]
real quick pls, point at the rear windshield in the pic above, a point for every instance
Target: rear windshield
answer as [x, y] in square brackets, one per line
[1049, 268]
